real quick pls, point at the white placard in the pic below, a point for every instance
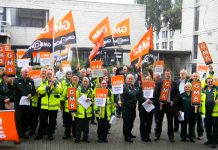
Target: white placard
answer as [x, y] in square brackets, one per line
[117, 89]
[23, 63]
[181, 116]
[148, 107]
[82, 101]
[24, 101]
[97, 73]
[148, 93]
[100, 102]
[37, 82]
[113, 119]
[45, 61]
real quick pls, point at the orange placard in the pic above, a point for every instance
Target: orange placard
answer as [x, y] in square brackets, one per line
[72, 99]
[165, 91]
[148, 84]
[1, 47]
[159, 63]
[143, 46]
[101, 93]
[2, 58]
[196, 93]
[8, 129]
[65, 64]
[6, 47]
[96, 64]
[202, 68]
[205, 53]
[20, 54]
[117, 80]
[34, 74]
[44, 54]
[9, 63]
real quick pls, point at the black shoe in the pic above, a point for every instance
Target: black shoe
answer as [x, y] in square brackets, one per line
[66, 137]
[172, 140]
[38, 137]
[146, 139]
[51, 137]
[25, 136]
[208, 143]
[119, 116]
[86, 140]
[100, 140]
[77, 140]
[183, 139]
[176, 129]
[157, 138]
[108, 132]
[192, 140]
[105, 140]
[200, 137]
[132, 136]
[213, 146]
[129, 140]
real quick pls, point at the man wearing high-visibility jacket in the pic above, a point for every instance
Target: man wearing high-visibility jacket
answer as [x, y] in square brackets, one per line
[83, 115]
[209, 109]
[103, 114]
[70, 124]
[50, 103]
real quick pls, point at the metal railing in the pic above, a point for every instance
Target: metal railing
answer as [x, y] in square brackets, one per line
[4, 30]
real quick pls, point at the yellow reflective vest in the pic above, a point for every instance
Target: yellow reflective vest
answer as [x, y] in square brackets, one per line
[203, 102]
[81, 111]
[110, 107]
[50, 97]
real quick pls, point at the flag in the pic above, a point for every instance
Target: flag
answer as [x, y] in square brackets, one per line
[43, 41]
[99, 43]
[121, 33]
[143, 47]
[96, 32]
[64, 32]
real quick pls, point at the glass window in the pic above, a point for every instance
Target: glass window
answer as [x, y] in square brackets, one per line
[27, 17]
[171, 33]
[197, 11]
[157, 36]
[171, 45]
[157, 46]
[164, 45]
[195, 39]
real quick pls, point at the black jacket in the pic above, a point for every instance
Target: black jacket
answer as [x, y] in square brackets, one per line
[6, 91]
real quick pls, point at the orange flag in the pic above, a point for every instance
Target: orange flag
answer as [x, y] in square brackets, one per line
[43, 41]
[64, 32]
[8, 129]
[96, 32]
[121, 33]
[99, 43]
[143, 46]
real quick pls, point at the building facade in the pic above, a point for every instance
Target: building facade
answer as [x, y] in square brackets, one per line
[21, 21]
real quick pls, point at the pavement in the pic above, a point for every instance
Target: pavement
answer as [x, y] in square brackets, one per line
[115, 141]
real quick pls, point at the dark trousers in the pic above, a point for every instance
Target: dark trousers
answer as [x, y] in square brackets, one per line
[128, 114]
[145, 123]
[200, 128]
[184, 124]
[35, 118]
[82, 125]
[102, 129]
[22, 118]
[176, 121]
[47, 116]
[160, 114]
[70, 125]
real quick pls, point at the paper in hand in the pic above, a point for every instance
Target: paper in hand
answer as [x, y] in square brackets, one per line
[24, 101]
[148, 107]
[82, 101]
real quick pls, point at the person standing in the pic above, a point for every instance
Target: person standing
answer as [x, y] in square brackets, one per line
[50, 104]
[103, 114]
[23, 87]
[129, 101]
[167, 108]
[209, 109]
[184, 105]
[83, 115]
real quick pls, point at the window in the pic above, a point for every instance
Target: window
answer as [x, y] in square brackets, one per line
[197, 11]
[197, 1]
[171, 33]
[195, 46]
[171, 45]
[164, 34]
[164, 45]
[157, 46]
[157, 36]
[28, 17]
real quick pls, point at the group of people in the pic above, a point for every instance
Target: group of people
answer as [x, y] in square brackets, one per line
[40, 117]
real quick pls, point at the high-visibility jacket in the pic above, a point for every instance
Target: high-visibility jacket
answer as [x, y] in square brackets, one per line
[109, 108]
[34, 100]
[50, 97]
[65, 95]
[203, 102]
[81, 111]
